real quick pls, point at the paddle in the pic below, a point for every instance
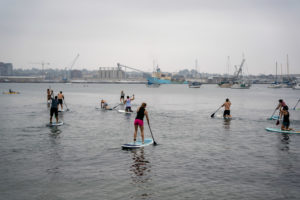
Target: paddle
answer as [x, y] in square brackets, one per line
[116, 106]
[273, 114]
[154, 143]
[215, 112]
[66, 105]
[296, 105]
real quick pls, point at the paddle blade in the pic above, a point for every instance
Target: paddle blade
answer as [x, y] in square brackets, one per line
[277, 123]
[212, 115]
[154, 143]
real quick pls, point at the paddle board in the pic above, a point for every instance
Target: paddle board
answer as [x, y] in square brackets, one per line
[274, 117]
[123, 111]
[278, 130]
[97, 108]
[11, 92]
[61, 110]
[222, 117]
[138, 144]
[56, 124]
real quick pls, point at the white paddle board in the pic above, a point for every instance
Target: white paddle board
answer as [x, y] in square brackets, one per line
[61, 110]
[56, 124]
[138, 144]
[123, 111]
[278, 130]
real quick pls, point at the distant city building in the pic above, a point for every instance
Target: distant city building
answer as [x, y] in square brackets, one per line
[76, 74]
[106, 73]
[6, 69]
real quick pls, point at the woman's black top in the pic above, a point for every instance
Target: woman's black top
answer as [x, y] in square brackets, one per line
[140, 114]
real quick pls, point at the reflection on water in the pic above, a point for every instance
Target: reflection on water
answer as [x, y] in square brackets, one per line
[227, 124]
[55, 131]
[285, 141]
[54, 154]
[140, 166]
[141, 175]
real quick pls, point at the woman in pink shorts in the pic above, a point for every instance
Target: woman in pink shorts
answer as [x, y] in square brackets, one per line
[138, 122]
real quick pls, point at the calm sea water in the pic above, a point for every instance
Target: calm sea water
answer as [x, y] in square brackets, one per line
[197, 157]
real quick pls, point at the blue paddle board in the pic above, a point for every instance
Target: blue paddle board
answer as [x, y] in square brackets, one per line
[278, 130]
[274, 117]
[138, 144]
[56, 124]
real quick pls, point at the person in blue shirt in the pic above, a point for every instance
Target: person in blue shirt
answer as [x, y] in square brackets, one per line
[54, 109]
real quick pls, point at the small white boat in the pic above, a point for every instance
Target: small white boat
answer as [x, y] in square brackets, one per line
[297, 86]
[240, 85]
[275, 85]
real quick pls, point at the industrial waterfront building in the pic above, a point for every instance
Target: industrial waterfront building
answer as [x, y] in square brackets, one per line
[6, 69]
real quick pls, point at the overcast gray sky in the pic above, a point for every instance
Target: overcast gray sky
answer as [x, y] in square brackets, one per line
[173, 33]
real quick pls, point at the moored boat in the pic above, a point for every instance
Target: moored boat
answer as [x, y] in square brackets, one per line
[166, 78]
[275, 85]
[297, 86]
[240, 85]
[195, 84]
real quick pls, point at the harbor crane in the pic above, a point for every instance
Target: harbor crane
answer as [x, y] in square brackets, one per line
[126, 67]
[74, 61]
[68, 72]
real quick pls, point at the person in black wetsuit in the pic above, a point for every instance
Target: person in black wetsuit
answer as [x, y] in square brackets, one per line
[138, 122]
[54, 109]
[286, 119]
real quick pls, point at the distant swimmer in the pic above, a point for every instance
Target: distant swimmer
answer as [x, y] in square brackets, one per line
[54, 109]
[104, 105]
[60, 97]
[286, 118]
[139, 121]
[122, 96]
[128, 103]
[227, 105]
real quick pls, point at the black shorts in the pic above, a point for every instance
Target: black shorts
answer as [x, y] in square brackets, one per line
[60, 101]
[54, 111]
[128, 109]
[226, 112]
[286, 124]
[122, 97]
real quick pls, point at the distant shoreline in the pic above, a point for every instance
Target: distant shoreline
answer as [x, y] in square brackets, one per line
[118, 82]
